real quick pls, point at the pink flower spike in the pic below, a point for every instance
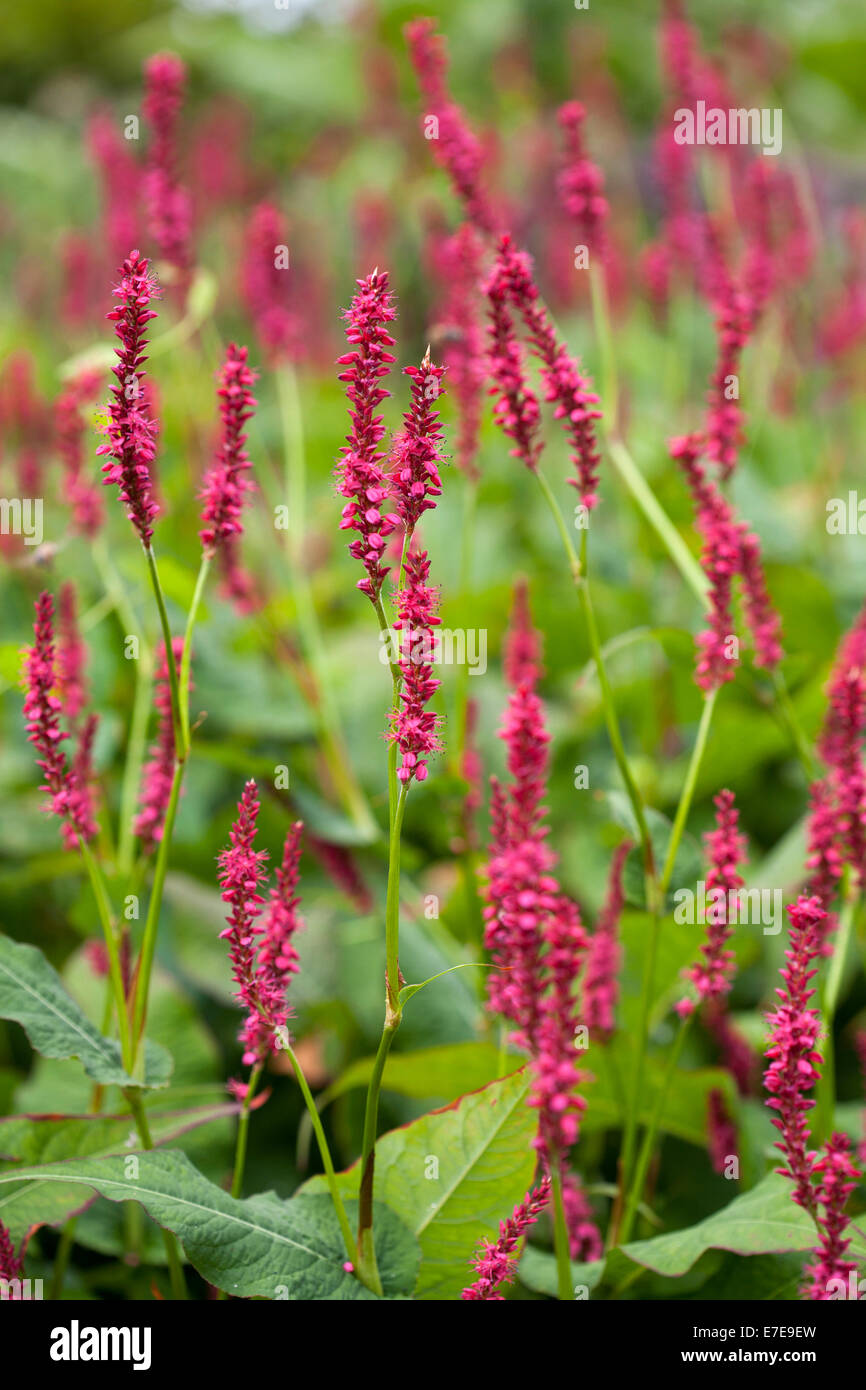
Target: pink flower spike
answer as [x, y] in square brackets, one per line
[496, 1261]
[168, 203]
[276, 959]
[266, 285]
[131, 433]
[11, 1264]
[42, 709]
[360, 475]
[416, 453]
[837, 1178]
[226, 483]
[792, 1052]
[415, 728]
[71, 657]
[516, 409]
[763, 620]
[581, 183]
[454, 147]
[522, 656]
[711, 976]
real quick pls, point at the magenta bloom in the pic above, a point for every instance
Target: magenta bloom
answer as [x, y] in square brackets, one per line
[516, 409]
[70, 430]
[575, 402]
[263, 957]
[360, 475]
[841, 744]
[416, 453]
[71, 657]
[416, 727]
[824, 861]
[457, 261]
[837, 1179]
[600, 981]
[158, 773]
[719, 558]
[454, 147]
[120, 179]
[42, 709]
[226, 483]
[265, 282]
[581, 183]
[724, 429]
[168, 203]
[496, 1263]
[276, 959]
[555, 1072]
[585, 1241]
[762, 619]
[521, 659]
[726, 847]
[131, 433]
[792, 1053]
[11, 1265]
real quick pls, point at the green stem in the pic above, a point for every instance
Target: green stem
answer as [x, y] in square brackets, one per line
[560, 1235]
[151, 926]
[659, 520]
[633, 1112]
[649, 1138]
[325, 1153]
[366, 1249]
[243, 1132]
[61, 1259]
[175, 1266]
[134, 761]
[186, 656]
[688, 791]
[174, 689]
[100, 893]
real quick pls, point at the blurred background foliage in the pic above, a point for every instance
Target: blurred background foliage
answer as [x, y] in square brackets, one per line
[327, 107]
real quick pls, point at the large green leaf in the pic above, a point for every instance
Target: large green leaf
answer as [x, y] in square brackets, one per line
[453, 1175]
[762, 1221]
[33, 994]
[28, 1139]
[261, 1247]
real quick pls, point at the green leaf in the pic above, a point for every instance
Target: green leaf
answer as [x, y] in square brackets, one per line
[33, 994]
[484, 1165]
[409, 990]
[763, 1221]
[45, 1139]
[261, 1247]
[685, 1111]
[443, 1072]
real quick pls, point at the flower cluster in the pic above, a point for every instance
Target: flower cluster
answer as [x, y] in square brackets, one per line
[729, 549]
[226, 484]
[68, 788]
[360, 475]
[726, 847]
[516, 409]
[734, 318]
[496, 1263]
[416, 450]
[792, 1051]
[168, 202]
[131, 433]
[263, 956]
[575, 402]
[837, 1178]
[415, 727]
[581, 183]
[265, 282]
[455, 148]
[11, 1264]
